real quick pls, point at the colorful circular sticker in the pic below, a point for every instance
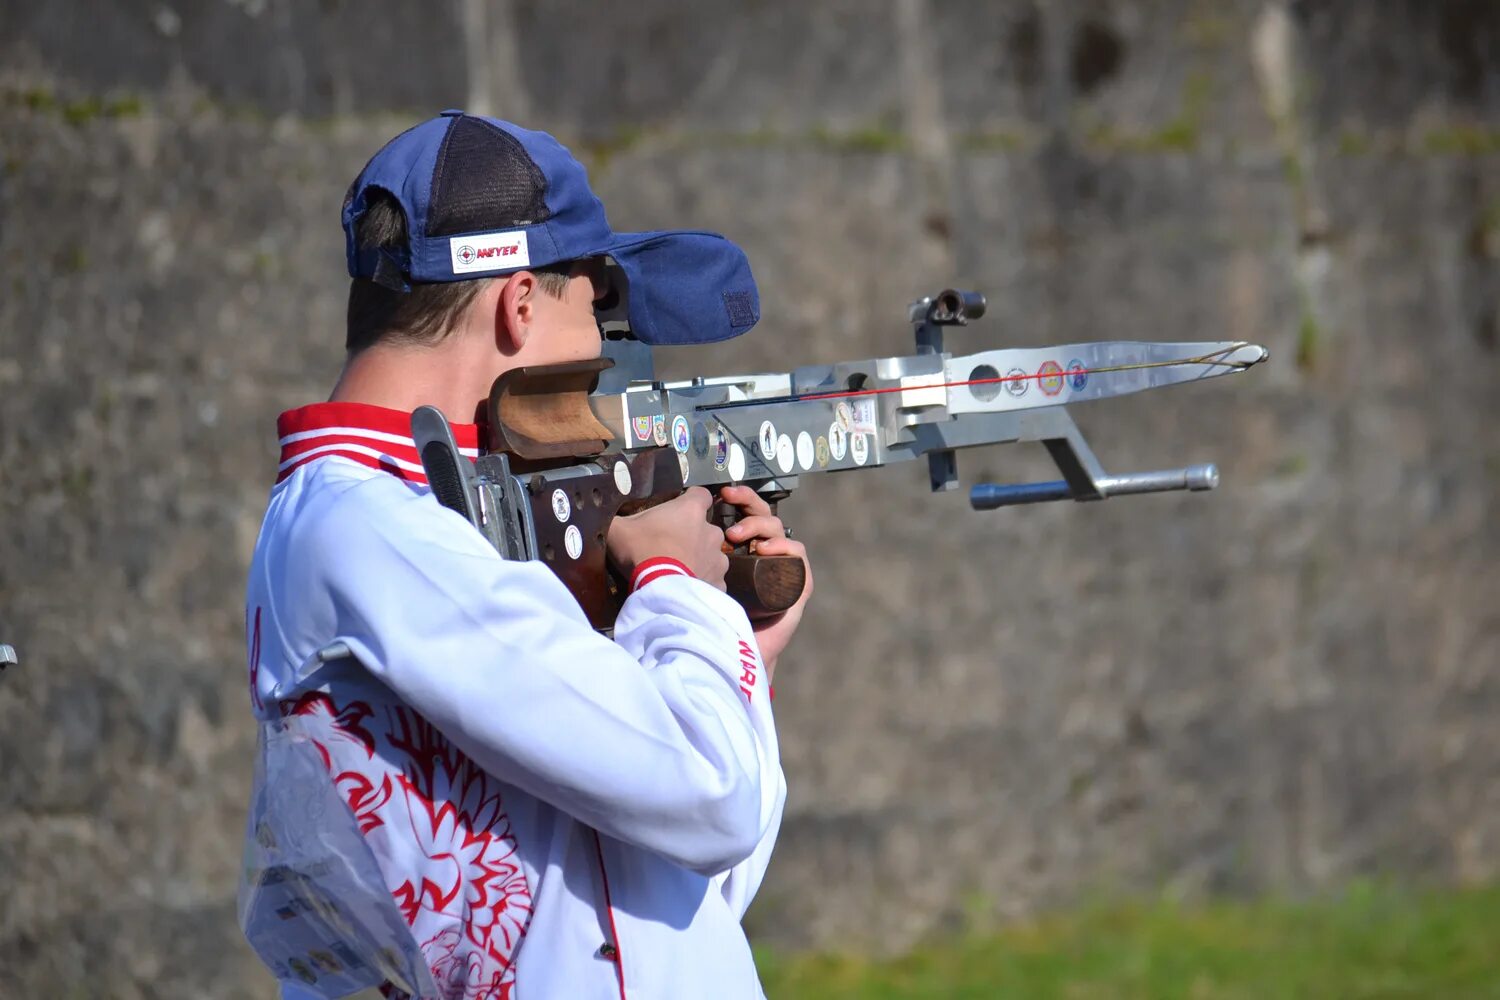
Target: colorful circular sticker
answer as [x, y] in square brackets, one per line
[561, 508]
[680, 436]
[859, 448]
[659, 430]
[721, 448]
[822, 448]
[622, 477]
[700, 440]
[1050, 378]
[573, 541]
[1016, 382]
[768, 440]
[838, 441]
[1078, 376]
[784, 452]
[844, 417]
[804, 451]
[642, 428]
[736, 462]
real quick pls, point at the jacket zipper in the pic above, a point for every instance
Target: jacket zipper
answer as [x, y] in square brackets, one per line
[610, 949]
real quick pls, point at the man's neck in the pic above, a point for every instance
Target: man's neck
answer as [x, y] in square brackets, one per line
[404, 378]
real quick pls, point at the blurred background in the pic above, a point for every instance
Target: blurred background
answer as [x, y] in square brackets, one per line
[1288, 690]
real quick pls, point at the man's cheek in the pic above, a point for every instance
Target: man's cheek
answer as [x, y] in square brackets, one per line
[590, 343]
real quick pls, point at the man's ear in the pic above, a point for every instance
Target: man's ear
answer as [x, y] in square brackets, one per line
[515, 311]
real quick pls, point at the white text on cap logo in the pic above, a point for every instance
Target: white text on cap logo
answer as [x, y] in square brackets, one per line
[489, 252]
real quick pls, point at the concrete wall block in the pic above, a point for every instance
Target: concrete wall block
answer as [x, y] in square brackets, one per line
[716, 67]
[268, 56]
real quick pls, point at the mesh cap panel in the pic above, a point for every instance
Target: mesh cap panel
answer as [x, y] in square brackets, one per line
[483, 179]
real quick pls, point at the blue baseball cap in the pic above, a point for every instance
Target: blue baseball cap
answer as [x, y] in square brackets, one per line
[485, 198]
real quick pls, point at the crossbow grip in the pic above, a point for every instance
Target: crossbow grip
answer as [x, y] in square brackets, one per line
[765, 586]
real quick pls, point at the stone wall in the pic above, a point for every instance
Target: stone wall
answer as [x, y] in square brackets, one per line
[1279, 686]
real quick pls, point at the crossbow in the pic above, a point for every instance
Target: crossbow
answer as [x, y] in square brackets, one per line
[574, 445]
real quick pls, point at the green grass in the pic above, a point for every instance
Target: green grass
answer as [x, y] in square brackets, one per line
[1371, 941]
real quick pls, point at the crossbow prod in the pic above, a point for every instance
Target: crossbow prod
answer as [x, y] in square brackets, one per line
[574, 445]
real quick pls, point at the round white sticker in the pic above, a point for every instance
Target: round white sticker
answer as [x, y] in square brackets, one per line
[838, 441]
[768, 440]
[736, 462]
[804, 451]
[561, 509]
[682, 463]
[573, 540]
[622, 477]
[843, 416]
[859, 448]
[784, 452]
[1016, 382]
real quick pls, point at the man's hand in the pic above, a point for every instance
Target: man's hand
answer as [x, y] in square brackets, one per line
[766, 535]
[678, 529]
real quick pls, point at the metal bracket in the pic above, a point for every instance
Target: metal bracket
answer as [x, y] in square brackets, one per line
[950, 307]
[505, 511]
[484, 492]
[8, 657]
[1083, 477]
[633, 364]
[633, 359]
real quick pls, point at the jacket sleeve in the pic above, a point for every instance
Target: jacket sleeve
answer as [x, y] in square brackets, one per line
[639, 628]
[740, 883]
[653, 739]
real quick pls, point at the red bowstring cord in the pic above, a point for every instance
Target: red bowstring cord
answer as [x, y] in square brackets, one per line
[1207, 359]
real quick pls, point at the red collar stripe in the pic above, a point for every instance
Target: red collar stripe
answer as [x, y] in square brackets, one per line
[363, 433]
[383, 463]
[373, 436]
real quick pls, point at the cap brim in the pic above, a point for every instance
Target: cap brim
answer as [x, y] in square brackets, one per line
[685, 287]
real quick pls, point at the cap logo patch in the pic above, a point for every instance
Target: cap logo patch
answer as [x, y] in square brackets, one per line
[741, 308]
[489, 252]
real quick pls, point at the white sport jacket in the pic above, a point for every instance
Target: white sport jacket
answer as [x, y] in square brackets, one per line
[535, 811]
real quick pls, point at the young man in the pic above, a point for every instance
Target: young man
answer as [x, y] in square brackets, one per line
[549, 813]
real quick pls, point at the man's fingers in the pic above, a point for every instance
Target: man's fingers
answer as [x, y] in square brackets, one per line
[750, 502]
[781, 547]
[760, 528]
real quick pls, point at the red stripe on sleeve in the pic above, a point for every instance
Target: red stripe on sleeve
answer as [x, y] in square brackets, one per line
[656, 568]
